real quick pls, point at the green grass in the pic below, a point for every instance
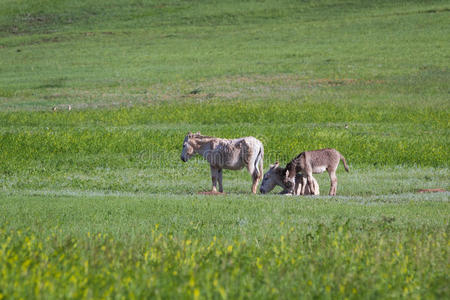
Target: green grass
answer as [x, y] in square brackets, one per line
[147, 50]
[95, 202]
[178, 246]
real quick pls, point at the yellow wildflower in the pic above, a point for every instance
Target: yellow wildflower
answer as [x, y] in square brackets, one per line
[222, 293]
[196, 293]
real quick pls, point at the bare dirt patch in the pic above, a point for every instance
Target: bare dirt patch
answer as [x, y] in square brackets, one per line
[210, 193]
[431, 191]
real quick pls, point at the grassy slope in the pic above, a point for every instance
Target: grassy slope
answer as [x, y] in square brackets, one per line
[130, 48]
[291, 74]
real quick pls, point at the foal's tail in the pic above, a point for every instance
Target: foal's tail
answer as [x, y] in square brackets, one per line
[344, 162]
[259, 163]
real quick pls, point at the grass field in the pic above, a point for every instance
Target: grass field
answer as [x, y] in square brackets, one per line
[96, 203]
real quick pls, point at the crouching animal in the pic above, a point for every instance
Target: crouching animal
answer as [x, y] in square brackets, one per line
[316, 162]
[226, 154]
[275, 177]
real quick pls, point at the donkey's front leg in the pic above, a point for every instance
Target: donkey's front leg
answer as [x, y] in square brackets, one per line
[220, 180]
[214, 177]
[311, 186]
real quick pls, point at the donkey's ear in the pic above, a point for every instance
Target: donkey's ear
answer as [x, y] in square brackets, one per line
[276, 164]
[197, 133]
[287, 173]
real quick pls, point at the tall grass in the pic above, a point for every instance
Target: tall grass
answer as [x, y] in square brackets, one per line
[188, 247]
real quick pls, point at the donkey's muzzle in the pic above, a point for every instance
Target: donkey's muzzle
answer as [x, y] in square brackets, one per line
[183, 159]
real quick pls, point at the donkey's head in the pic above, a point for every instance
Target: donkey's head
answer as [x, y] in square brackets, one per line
[188, 146]
[271, 178]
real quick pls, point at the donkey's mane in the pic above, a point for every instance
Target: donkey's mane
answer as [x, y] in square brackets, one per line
[298, 156]
[280, 171]
[290, 166]
[200, 136]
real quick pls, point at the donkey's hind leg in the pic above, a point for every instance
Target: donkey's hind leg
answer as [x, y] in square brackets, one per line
[255, 176]
[333, 180]
[255, 179]
[255, 167]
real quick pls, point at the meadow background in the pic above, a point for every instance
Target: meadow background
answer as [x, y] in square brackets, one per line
[96, 203]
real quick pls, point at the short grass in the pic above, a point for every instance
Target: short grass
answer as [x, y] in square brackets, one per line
[95, 202]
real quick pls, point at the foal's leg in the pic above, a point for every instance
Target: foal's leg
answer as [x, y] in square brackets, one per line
[311, 186]
[303, 187]
[333, 180]
[214, 177]
[220, 180]
[309, 179]
[297, 186]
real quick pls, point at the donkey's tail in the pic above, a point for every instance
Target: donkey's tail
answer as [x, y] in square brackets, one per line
[344, 162]
[259, 163]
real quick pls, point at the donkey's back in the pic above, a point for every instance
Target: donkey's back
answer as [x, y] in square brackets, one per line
[238, 153]
[317, 161]
[251, 154]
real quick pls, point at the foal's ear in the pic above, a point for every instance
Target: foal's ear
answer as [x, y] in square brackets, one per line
[287, 173]
[198, 133]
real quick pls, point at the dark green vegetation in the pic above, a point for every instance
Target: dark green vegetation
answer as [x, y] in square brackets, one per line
[140, 74]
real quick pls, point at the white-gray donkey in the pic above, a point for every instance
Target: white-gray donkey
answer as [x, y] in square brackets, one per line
[274, 176]
[229, 154]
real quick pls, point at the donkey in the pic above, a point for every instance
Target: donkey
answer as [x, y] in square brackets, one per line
[226, 154]
[316, 162]
[275, 177]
